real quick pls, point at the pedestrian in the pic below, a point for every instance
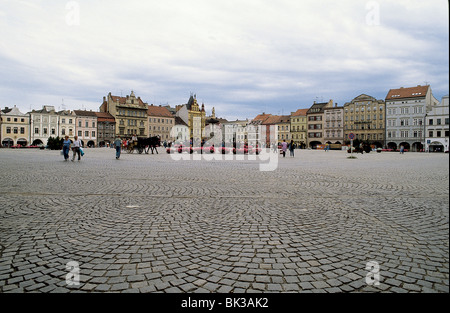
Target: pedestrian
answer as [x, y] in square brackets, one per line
[284, 147]
[118, 145]
[66, 147]
[291, 148]
[76, 145]
[402, 149]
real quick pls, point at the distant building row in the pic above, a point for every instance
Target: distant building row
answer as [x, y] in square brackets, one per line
[411, 117]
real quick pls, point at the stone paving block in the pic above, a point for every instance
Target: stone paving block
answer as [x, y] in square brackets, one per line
[251, 232]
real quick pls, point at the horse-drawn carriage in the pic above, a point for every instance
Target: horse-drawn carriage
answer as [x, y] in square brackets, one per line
[144, 145]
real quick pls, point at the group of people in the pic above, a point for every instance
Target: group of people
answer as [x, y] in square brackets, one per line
[75, 146]
[285, 146]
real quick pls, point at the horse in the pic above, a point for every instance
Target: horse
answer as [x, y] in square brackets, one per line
[149, 143]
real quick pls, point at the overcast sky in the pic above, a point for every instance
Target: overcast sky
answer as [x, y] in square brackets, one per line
[243, 57]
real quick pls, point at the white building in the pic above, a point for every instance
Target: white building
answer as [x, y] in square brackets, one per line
[67, 124]
[180, 131]
[405, 114]
[43, 124]
[14, 127]
[437, 127]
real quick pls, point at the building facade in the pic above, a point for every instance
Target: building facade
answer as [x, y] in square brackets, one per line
[437, 127]
[315, 118]
[130, 114]
[406, 109]
[160, 122]
[283, 125]
[106, 129]
[180, 131]
[86, 127]
[14, 128]
[299, 125]
[365, 116]
[334, 125]
[44, 124]
[67, 124]
[194, 116]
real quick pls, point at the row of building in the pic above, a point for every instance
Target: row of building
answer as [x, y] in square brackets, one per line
[411, 117]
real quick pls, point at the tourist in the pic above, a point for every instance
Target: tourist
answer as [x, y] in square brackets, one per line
[284, 147]
[66, 147]
[118, 145]
[76, 148]
[291, 148]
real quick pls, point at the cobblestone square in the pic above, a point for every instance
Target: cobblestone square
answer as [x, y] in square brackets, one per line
[150, 223]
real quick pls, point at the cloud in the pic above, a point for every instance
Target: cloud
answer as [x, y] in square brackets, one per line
[250, 53]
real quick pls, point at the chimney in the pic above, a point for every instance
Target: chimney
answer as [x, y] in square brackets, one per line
[104, 99]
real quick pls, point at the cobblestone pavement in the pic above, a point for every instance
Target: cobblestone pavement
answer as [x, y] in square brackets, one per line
[148, 223]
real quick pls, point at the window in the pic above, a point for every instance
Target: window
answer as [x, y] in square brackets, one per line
[8, 130]
[70, 121]
[93, 134]
[438, 134]
[430, 134]
[16, 130]
[53, 131]
[45, 131]
[430, 122]
[80, 133]
[87, 124]
[36, 130]
[86, 133]
[63, 131]
[93, 124]
[63, 121]
[79, 123]
[439, 121]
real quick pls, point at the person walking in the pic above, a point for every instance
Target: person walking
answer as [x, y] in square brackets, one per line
[66, 147]
[76, 145]
[291, 148]
[284, 147]
[118, 145]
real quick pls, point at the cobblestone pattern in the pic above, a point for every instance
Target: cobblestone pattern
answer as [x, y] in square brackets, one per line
[147, 223]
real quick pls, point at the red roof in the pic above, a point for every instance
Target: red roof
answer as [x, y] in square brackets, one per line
[411, 92]
[300, 112]
[262, 117]
[159, 111]
[104, 117]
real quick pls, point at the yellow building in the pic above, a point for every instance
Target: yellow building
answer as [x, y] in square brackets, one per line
[194, 117]
[283, 125]
[299, 126]
[15, 127]
[365, 117]
[130, 114]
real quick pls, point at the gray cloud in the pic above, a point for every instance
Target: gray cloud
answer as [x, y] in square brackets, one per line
[243, 57]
